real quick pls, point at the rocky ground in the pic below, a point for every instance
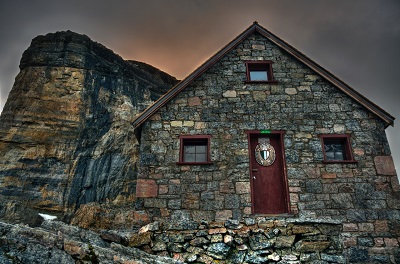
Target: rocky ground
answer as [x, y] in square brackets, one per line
[56, 242]
[251, 241]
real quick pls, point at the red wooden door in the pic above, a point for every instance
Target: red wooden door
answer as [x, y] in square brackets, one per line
[268, 181]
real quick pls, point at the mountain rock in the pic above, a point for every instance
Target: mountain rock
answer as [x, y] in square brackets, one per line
[66, 138]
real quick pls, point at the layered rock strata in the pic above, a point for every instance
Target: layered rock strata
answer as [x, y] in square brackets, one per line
[65, 133]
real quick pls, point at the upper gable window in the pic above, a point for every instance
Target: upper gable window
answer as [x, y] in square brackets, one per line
[259, 71]
[195, 149]
[337, 148]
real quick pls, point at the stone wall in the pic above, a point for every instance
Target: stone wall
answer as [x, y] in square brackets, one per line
[258, 240]
[262, 240]
[363, 196]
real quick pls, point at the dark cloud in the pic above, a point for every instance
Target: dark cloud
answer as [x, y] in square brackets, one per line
[356, 40]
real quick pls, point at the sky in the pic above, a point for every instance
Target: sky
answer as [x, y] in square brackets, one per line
[356, 40]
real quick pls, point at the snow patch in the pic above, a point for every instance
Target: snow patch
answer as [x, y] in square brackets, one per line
[48, 217]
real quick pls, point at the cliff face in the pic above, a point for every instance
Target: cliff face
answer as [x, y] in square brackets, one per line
[65, 132]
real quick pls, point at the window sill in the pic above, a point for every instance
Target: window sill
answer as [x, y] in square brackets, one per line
[283, 215]
[339, 161]
[273, 81]
[195, 163]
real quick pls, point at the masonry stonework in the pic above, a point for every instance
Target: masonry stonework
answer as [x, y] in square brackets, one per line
[361, 196]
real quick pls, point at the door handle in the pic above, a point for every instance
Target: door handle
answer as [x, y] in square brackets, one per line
[254, 177]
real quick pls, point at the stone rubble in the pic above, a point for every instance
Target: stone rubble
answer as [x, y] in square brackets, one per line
[56, 242]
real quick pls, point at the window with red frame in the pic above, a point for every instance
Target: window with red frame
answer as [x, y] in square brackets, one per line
[259, 71]
[337, 148]
[195, 149]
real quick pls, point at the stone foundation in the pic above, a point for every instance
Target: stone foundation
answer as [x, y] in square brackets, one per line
[258, 240]
[262, 240]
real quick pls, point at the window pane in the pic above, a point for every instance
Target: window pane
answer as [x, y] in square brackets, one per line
[338, 148]
[339, 155]
[258, 76]
[334, 151]
[201, 149]
[201, 157]
[330, 155]
[189, 157]
[190, 149]
[195, 150]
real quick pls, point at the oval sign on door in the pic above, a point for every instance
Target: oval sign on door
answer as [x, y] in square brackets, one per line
[265, 154]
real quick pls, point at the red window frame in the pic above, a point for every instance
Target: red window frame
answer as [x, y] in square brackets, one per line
[264, 65]
[186, 140]
[344, 140]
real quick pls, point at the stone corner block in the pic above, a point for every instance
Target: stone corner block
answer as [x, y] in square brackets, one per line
[242, 187]
[176, 123]
[291, 91]
[229, 94]
[223, 215]
[194, 101]
[146, 188]
[384, 165]
[329, 175]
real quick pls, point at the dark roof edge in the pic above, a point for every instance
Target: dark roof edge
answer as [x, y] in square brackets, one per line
[255, 27]
[181, 85]
[385, 116]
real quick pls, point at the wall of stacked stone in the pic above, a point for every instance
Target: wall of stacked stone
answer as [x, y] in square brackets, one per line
[364, 196]
[258, 241]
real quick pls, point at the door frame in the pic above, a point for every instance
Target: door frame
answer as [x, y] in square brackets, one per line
[280, 134]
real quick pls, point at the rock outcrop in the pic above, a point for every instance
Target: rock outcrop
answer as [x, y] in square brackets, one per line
[56, 242]
[65, 132]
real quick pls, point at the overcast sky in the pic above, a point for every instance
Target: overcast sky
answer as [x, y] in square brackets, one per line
[357, 40]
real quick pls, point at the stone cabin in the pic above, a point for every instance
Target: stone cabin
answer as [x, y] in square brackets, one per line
[260, 129]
